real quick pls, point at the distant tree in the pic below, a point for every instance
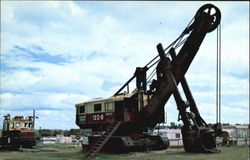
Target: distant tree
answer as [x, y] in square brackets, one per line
[179, 125]
[210, 124]
[160, 127]
[66, 133]
[74, 132]
[56, 132]
[173, 125]
[84, 132]
[45, 132]
[226, 124]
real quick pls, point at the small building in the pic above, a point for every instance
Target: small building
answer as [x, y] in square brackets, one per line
[174, 136]
[48, 140]
[239, 134]
[61, 139]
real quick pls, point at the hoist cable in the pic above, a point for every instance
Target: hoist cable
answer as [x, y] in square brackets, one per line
[175, 44]
[158, 55]
[180, 43]
[172, 44]
[154, 63]
[151, 75]
[219, 73]
[218, 76]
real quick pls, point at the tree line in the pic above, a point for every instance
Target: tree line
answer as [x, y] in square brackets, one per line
[54, 132]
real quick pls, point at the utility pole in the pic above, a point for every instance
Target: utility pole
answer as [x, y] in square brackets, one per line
[34, 117]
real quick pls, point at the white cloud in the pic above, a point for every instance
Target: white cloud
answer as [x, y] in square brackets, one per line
[104, 41]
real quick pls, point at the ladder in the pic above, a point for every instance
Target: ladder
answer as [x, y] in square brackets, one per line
[97, 146]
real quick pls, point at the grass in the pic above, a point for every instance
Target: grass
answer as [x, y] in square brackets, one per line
[66, 152]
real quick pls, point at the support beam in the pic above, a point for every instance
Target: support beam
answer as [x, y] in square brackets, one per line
[193, 107]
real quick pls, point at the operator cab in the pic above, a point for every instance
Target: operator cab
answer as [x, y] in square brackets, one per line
[122, 107]
[17, 123]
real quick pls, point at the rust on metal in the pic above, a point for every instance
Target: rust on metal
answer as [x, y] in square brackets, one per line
[143, 108]
[18, 132]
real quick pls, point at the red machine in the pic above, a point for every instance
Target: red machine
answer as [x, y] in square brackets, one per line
[123, 120]
[18, 132]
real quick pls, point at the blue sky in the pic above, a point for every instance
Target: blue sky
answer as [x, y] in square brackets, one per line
[56, 54]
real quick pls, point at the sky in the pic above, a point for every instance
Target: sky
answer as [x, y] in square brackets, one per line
[57, 54]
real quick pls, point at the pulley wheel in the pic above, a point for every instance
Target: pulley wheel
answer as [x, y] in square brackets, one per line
[213, 13]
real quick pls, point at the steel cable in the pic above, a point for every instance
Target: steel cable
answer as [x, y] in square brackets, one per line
[218, 76]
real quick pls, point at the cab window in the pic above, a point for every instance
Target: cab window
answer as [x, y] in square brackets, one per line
[82, 109]
[12, 125]
[18, 124]
[109, 106]
[26, 125]
[177, 135]
[97, 107]
[30, 125]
